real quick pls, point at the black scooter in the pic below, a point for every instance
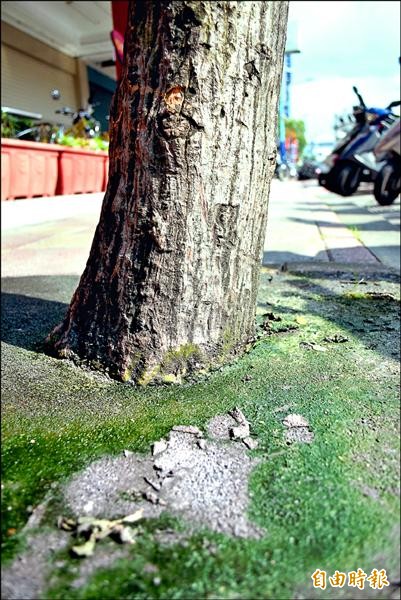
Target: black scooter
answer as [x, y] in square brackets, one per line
[352, 160]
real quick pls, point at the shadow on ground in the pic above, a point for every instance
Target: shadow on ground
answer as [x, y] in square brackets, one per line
[340, 255]
[357, 298]
[335, 295]
[32, 306]
[377, 225]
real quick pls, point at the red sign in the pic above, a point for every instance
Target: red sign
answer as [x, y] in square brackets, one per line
[118, 43]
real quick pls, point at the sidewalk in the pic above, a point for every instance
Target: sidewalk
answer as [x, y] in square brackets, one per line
[308, 223]
[328, 356]
[52, 236]
[48, 236]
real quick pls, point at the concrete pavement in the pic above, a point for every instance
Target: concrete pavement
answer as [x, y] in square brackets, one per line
[52, 236]
[48, 236]
[308, 223]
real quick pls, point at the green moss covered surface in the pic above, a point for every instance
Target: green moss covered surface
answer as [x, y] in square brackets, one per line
[332, 504]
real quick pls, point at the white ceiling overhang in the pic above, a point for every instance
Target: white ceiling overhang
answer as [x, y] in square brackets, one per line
[78, 29]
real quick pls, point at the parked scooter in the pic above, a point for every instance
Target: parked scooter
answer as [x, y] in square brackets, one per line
[388, 179]
[352, 160]
[358, 117]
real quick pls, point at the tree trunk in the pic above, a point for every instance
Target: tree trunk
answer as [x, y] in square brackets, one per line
[172, 276]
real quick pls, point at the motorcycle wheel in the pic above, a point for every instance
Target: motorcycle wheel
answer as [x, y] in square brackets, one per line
[348, 178]
[387, 184]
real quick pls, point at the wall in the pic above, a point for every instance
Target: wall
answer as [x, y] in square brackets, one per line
[31, 69]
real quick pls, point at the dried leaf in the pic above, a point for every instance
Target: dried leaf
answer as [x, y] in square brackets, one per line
[85, 549]
[95, 521]
[100, 528]
[124, 535]
[127, 536]
[134, 517]
[301, 320]
[66, 524]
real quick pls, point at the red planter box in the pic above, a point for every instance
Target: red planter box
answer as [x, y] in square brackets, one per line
[5, 175]
[106, 173]
[80, 171]
[27, 169]
[35, 169]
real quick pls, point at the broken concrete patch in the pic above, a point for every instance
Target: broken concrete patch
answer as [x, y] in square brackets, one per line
[298, 429]
[156, 486]
[242, 431]
[219, 427]
[250, 443]
[114, 485]
[206, 487]
[239, 416]
[154, 498]
[295, 420]
[239, 433]
[188, 429]
[159, 446]
[299, 434]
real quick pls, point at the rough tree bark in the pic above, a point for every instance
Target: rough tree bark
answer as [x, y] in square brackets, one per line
[172, 275]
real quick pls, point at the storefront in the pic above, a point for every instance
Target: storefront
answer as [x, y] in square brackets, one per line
[62, 45]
